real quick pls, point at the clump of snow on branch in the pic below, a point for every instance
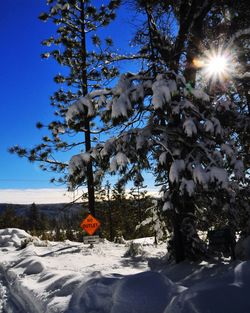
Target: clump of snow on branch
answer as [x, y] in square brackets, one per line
[77, 167]
[79, 108]
[227, 149]
[161, 92]
[200, 176]
[200, 94]
[175, 170]
[209, 126]
[119, 161]
[167, 206]
[107, 148]
[78, 161]
[121, 102]
[187, 185]
[162, 158]
[239, 169]
[219, 176]
[189, 127]
[217, 126]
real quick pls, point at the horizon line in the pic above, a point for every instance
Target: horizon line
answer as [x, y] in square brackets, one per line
[45, 195]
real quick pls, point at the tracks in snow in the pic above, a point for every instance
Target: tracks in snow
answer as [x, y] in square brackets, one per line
[7, 302]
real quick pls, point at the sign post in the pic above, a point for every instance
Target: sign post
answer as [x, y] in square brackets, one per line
[90, 224]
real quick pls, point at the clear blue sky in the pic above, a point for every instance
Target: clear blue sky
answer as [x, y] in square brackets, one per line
[26, 84]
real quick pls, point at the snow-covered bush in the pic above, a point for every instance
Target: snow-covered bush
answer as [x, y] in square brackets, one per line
[14, 237]
[119, 240]
[135, 249]
[155, 222]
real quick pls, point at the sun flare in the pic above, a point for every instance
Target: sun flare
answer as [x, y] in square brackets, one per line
[216, 65]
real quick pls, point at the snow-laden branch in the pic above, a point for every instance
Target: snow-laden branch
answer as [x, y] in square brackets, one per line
[242, 76]
[237, 35]
[180, 127]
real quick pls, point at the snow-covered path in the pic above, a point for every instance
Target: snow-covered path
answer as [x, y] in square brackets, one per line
[63, 276]
[8, 302]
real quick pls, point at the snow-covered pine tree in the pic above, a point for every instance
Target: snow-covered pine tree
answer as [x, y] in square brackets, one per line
[180, 132]
[174, 35]
[84, 66]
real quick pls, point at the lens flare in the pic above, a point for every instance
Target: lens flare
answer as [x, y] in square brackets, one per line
[217, 65]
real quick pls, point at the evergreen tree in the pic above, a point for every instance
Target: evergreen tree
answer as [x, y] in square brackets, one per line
[138, 195]
[44, 222]
[221, 25]
[34, 219]
[183, 135]
[77, 22]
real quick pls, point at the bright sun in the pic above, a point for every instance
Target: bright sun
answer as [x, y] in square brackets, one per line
[216, 65]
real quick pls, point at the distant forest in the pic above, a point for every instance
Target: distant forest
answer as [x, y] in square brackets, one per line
[118, 215]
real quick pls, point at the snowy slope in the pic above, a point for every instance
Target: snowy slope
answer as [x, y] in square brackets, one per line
[72, 277]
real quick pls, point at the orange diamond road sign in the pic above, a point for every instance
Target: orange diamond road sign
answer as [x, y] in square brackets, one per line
[90, 224]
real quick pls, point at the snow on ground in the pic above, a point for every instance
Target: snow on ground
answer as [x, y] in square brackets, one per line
[49, 277]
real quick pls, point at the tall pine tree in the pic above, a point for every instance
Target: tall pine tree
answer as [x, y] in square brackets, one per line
[85, 66]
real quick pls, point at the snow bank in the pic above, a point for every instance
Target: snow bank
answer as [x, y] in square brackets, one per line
[69, 277]
[145, 292]
[73, 278]
[36, 288]
[146, 241]
[227, 293]
[13, 237]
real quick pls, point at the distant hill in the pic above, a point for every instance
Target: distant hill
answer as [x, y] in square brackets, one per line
[53, 210]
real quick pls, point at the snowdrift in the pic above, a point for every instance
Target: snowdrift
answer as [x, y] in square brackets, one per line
[71, 277]
[145, 292]
[13, 237]
[227, 293]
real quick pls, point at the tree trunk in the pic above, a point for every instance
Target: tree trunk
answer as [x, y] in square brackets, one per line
[192, 53]
[194, 44]
[178, 242]
[183, 243]
[90, 177]
[179, 249]
[111, 228]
